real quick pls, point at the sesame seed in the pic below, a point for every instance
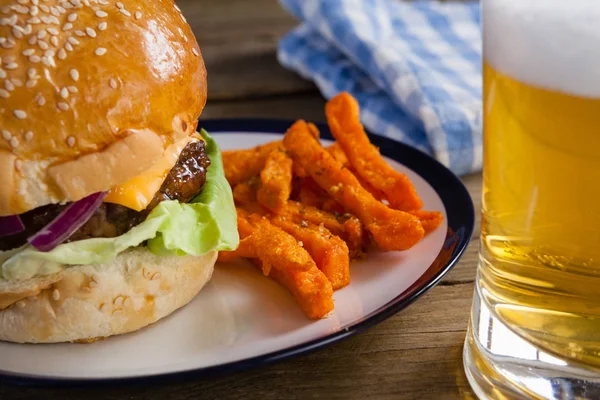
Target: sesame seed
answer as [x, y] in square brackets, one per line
[113, 83]
[55, 295]
[195, 51]
[31, 72]
[79, 33]
[34, 21]
[72, 89]
[120, 5]
[177, 8]
[72, 17]
[17, 82]
[34, 11]
[101, 14]
[22, 1]
[72, 40]
[103, 2]
[71, 141]
[45, 19]
[68, 26]
[41, 34]
[14, 142]
[17, 33]
[6, 135]
[54, 20]
[12, 65]
[100, 51]
[8, 85]
[68, 46]
[4, 94]
[63, 106]
[2, 73]
[48, 61]
[90, 32]
[28, 52]
[138, 14]
[28, 136]
[76, 3]
[183, 18]
[54, 11]
[21, 304]
[49, 53]
[102, 26]
[22, 10]
[32, 40]
[125, 12]
[20, 114]
[64, 93]
[54, 41]
[35, 59]
[43, 45]
[74, 74]
[8, 43]
[41, 101]
[30, 83]
[52, 31]
[61, 9]
[68, 6]
[62, 54]
[18, 165]
[35, 2]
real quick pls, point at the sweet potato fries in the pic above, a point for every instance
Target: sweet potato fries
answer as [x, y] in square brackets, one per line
[304, 211]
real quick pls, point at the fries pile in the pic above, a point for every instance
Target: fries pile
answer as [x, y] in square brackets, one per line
[304, 211]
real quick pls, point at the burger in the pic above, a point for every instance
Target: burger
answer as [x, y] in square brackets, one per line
[112, 206]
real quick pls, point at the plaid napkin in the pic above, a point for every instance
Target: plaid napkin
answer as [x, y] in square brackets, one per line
[415, 69]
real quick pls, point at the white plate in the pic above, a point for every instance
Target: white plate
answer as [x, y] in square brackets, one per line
[241, 319]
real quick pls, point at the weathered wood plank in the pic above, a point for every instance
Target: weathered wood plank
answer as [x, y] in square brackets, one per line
[238, 40]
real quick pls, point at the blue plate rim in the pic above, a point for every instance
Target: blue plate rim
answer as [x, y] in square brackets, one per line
[461, 220]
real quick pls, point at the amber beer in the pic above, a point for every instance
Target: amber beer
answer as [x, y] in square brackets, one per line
[539, 270]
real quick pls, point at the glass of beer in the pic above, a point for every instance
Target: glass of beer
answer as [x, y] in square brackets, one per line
[535, 321]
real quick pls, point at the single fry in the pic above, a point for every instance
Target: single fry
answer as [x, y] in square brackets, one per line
[429, 219]
[310, 193]
[241, 165]
[391, 229]
[344, 120]
[346, 226]
[276, 181]
[330, 252]
[312, 128]
[337, 152]
[287, 262]
[244, 193]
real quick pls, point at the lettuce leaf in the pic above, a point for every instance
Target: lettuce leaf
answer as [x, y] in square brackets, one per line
[207, 223]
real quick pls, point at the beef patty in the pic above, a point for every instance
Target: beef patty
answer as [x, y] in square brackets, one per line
[183, 183]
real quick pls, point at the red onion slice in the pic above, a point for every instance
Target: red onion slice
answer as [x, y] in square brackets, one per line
[66, 223]
[11, 225]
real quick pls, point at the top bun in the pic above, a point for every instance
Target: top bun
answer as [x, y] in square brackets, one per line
[92, 92]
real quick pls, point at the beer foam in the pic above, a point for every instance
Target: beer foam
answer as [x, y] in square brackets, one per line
[553, 44]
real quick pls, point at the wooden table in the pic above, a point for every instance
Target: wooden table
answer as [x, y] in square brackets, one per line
[415, 355]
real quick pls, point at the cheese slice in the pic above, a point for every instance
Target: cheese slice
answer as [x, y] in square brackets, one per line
[139, 191]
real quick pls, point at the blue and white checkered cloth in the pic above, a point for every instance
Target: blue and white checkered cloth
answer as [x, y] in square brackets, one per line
[415, 69]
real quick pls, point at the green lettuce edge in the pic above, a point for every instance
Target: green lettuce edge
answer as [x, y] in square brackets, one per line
[205, 224]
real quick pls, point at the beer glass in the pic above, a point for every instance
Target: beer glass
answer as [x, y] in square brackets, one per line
[535, 321]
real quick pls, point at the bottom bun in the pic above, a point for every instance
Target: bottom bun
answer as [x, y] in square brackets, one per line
[87, 302]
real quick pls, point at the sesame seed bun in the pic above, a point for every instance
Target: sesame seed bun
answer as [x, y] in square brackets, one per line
[92, 92]
[87, 302]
